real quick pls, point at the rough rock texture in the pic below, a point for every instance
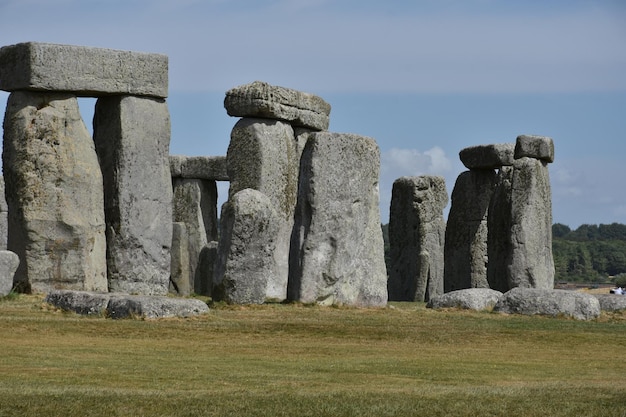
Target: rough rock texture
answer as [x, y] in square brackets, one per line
[499, 244]
[470, 299]
[245, 265]
[207, 261]
[199, 167]
[9, 261]
[82, 70]
[488, 156]
[4, 217]
[259, 99]
[262, 156]
[538, 147]
[180, 278]
[337, 241]
[119, 306]
[531, 301]
[530, 262]
[132, 136]
[611, 302]
[466, 231]
[195, 204]
[416, 238]
[54, 194]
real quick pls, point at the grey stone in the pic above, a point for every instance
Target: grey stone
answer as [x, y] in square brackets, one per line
[538, 147]
[416, 238]
[338, 254]
[259, 99]
[530, 262]
[9, 261]
[262, 156]
[245, 264]
[82, 70]
[206, 267]
[180, 278]
[132, 137]
[54, 193]
[499, 245]
[195, 204]
[4, 217]
[468, 299]
[81, 302]
[199, 167]
[488, 156]
[611, 302]
[554, 303]
[466, 231]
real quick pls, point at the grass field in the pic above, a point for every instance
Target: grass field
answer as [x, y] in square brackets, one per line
[295, 360]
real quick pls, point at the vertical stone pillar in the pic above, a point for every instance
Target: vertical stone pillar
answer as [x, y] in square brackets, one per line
[338, 254]
[54, 194]
[499, 231]
[132, 137]
[416, 238]
[4, 217]
[179, 278]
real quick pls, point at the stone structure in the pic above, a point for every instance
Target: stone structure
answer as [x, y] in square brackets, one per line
[549, 302]
[55, 183]
[416, 238]
[468, 299]
[180, 277]
[337, 247]
[4, 217]
[9, 261]
[499, 244]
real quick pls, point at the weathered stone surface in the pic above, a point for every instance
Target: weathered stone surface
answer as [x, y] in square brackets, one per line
[530, 262]
[9, 261]
[195, 204]
[499, 245]
[207, 262]
[199, 167]
[82, 70]
[4, 217]
[538, 147]
[488, 156]
[535, 301]
[337, 241]
[259, 99]
[119, 306]
[132, 137]
[468, 299]
[416, 238]
[262, 156]
[54, 194]
[611, 302]
[180, 278]
[245, 264]
[466, 231]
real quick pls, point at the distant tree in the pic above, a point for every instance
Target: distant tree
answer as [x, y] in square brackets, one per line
[560, 230]
[585, 233]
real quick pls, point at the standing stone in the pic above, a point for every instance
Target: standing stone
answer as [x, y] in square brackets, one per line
[195, 204]
[466, 231]
[179, 280]
[245, 265]
[262, 156]
[530, 263]
[337, 241]
[132, 137]
[416, 238]
[54, 195]
[499, 231]
[9, 262]
[4, 217]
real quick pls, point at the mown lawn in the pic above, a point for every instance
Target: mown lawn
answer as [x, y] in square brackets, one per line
[294, 360]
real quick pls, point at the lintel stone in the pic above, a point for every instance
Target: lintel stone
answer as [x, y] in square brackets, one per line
[82, 70]
[199, 167]
[532, 146]
[488, 156]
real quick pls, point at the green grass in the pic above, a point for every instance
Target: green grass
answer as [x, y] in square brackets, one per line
[294, 360]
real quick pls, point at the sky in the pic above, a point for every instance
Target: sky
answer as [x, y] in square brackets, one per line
[424, 78]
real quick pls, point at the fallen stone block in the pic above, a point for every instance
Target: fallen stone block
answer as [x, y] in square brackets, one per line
[468, 299]
[538, 147]
[81, 302]
[611, 302]
[553, 303]
[84, 71]
[259, 99]
[9, 262]
[488, 156]
[199, 167]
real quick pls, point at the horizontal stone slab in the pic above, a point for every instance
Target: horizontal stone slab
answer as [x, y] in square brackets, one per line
[199, 167]
[553, 303]
[467, 299]
[260, 99]
[611, 302]
[488, 156]
[82, 70]
[538, 147]
[118, 306]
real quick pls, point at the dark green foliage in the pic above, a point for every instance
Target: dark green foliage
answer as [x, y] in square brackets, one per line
[620, 280]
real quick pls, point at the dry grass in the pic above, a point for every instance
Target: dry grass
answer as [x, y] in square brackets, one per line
[299, 360]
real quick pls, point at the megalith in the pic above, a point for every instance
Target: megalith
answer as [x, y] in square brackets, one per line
[499, 244]
[338, 249]
[250, 227]
[54, 190]
[416, 238]
[132, 137]
[179, 276]
[4, 217]
[9, 261]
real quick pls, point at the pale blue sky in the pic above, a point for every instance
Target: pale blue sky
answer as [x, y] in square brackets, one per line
[424, 78]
